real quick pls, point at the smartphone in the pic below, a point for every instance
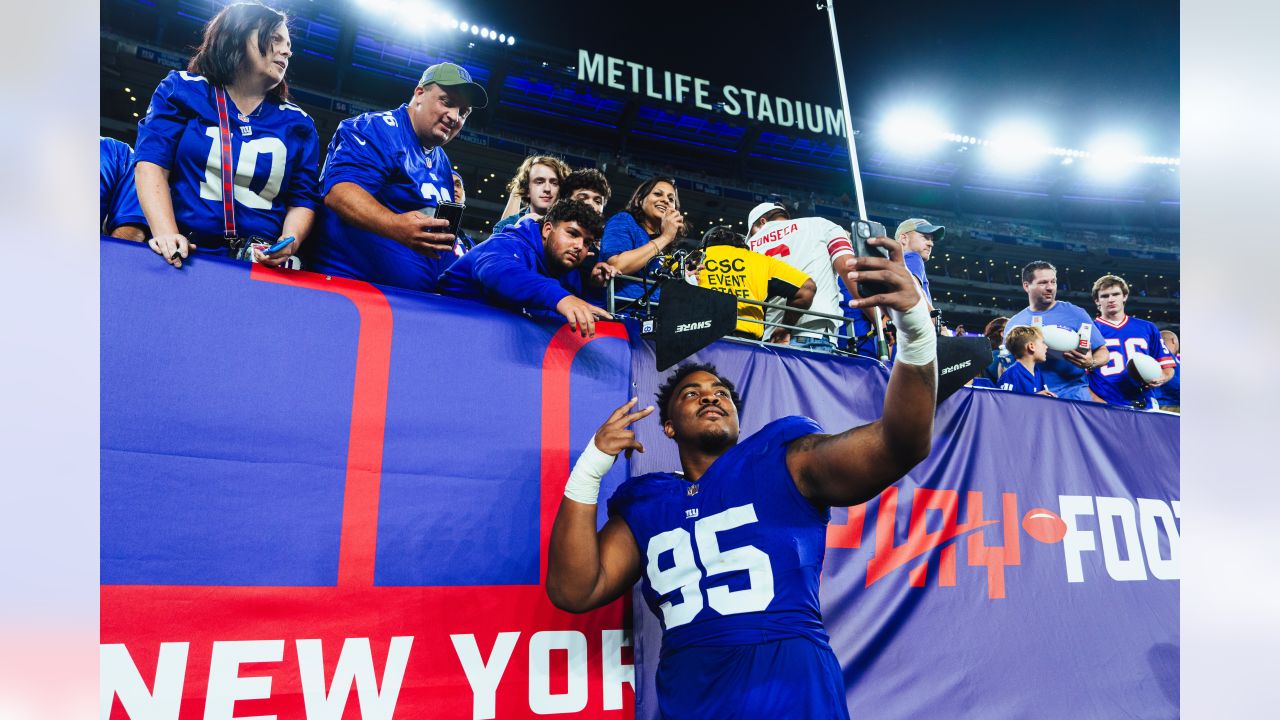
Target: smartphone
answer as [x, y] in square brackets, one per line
[861, 231]
[450, 211]
[284, 242]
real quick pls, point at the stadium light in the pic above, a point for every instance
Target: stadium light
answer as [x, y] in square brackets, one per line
[1113, 157]
[1017, 145]
[913, 130]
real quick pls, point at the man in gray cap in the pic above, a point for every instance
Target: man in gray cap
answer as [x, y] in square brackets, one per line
[917, 236]
[383, 177]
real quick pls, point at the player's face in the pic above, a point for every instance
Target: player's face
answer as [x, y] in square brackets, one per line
[660, 200]
[565, 244]
[438, 113]
[702, 412]
[543, 188]
[1111, 301]
[269, 67]
[1043, 288]
[590, 197]
[918, 242]
[768, 218]
[459, 192]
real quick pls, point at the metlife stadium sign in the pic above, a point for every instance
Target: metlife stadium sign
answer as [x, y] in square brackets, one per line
[632, 77]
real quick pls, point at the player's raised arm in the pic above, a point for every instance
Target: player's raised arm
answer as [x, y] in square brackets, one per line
[854, 466]
[586, 569]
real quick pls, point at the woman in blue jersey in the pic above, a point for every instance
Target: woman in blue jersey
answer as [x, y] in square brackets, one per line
[232, 103]
[635, 238]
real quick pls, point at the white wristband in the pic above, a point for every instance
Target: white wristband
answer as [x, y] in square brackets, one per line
[917, 341]
[584, 481]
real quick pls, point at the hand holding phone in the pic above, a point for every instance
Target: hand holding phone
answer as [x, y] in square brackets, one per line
[284, 243]
[862, 231]
[450, 211]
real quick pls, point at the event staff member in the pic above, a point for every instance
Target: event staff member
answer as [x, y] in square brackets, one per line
[636, 238]
[814, 246]
[532, 267]
[534, 188]
[755, 647]
[382, 169]
[119, 214]
[231, 103]
[729, 267]
[1126, 336]
[1064, 373]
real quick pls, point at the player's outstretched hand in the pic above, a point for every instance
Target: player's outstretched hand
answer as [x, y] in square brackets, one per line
[172, 247]
[614, 436]
[581, 314]
[418, 233]
[899, 287]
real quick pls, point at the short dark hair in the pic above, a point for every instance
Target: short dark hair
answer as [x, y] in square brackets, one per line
[635, 206]
[668, 388]
[1029, 270]
[994, 331]
[724, 235]
[566, 210]
[221, 50]
[585, 179]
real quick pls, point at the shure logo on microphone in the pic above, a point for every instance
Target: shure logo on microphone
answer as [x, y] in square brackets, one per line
[683, 327]
[957, 366]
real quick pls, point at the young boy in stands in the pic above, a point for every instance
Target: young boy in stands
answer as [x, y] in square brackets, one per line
[1026, 344]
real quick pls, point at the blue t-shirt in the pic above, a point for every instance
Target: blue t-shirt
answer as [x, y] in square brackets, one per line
[117, 196]
[1060, 376]
[732, 566]
[510, 270]
[623, 233]
[1170, 393]
[1020, 380]
[1131, 336]
[380, 152]
[915, 265]
[274, 152]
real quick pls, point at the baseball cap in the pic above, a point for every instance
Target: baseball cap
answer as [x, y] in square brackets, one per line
[450, 75]
[761, 210]
[922, 226]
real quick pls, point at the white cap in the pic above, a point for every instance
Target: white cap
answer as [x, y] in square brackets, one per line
[761, 210]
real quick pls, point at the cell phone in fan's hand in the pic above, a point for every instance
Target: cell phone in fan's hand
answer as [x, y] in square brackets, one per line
[862, 231]
[450, 211]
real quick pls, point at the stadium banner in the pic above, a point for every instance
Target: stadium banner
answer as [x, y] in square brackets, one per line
[326, 499]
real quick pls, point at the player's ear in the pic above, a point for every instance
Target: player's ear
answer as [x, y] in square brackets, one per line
[668, 430]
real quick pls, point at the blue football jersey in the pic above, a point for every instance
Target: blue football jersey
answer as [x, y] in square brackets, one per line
[117, 196]
[274, 152]
[732, 565]
[1131, 336]
[380, 152]
[1020, 380]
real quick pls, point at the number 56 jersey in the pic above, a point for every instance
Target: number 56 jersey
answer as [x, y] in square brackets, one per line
[731, 569]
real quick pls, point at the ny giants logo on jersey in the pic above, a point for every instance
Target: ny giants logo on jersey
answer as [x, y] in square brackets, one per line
[1140, 539]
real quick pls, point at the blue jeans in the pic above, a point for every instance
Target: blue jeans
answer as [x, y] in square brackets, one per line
[818, 344]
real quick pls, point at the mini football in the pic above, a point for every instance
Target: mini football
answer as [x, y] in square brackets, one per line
[1060, 338]
[1144, 369]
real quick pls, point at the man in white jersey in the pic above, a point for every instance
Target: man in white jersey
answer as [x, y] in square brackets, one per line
[819, 248]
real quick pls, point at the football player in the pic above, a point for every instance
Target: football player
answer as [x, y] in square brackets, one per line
[1125, 336]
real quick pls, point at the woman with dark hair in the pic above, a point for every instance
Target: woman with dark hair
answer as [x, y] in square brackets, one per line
[225, 127]
[636, 238]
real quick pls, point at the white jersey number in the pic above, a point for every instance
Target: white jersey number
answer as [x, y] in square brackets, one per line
[684, 575]
[1117, 360]
[211, 188]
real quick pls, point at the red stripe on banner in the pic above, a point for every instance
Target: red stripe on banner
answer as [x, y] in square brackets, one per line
[358, 549]
[556, 366]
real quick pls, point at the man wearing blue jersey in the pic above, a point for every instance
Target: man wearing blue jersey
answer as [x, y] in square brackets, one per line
[917, 236]
[382, 168]
[119, 214]
[1064, 373]
[730, 550]
[532, 267]
[1126, 336]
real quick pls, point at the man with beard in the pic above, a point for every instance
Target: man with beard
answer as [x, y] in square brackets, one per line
[533, 267]
[730, 550]
[1064, 373]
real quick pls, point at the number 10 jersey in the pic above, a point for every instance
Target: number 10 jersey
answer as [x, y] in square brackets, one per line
[731, 569]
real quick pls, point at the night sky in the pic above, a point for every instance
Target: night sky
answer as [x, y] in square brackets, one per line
[1077, 68]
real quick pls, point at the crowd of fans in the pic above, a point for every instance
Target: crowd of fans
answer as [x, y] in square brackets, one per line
[226, 164]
